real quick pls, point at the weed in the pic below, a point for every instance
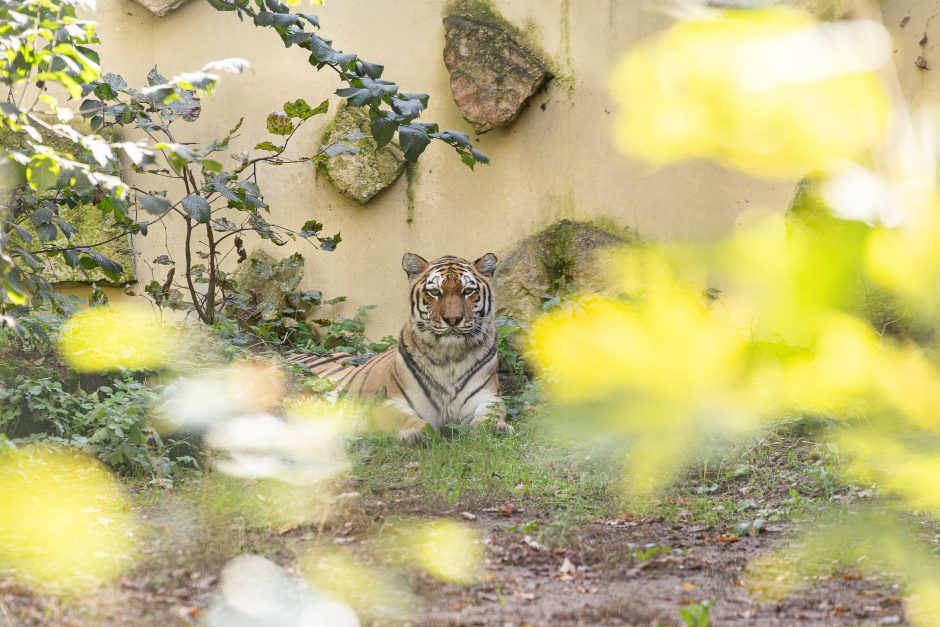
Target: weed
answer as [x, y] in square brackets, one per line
[110, 423]
[696, 614]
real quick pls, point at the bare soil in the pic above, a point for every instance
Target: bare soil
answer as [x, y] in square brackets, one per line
[602, 577]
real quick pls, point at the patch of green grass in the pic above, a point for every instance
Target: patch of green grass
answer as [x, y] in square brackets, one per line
[779, 475]
[485, 469]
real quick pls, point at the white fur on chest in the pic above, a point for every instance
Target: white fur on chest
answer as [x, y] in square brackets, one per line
[448, 391]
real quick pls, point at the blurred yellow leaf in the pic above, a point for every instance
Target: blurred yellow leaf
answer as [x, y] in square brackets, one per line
[769, 92]
[64, 523]
[374, 593]
[101, 339]
[445, 549]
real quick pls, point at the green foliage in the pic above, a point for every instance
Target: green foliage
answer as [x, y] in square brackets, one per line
[110, 423]
[347, 335]
[45, 164]
[508, 335]
[46, 45]
[323, 335]
[390, 109]
[223, 203]
[42, 400]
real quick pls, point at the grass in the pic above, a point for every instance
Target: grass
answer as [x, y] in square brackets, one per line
[551, 491]
[777, 476]
[482, 470]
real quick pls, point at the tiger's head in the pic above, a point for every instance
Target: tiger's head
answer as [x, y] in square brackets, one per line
[451, 298]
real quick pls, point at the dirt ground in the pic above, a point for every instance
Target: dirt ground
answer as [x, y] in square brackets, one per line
[599, 580]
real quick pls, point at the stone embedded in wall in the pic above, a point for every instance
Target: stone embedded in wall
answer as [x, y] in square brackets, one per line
[553, 261]
[161, 8]
[492, 75]
[90, 223]
[828, 10]
[366, 173]
[92, 228]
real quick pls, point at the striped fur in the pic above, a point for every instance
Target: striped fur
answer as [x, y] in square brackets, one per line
[444, 367]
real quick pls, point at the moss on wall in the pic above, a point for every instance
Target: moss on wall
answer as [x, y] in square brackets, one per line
[560, 258]
[564, 64]
[485, 12]
[19, 364]
[411, 172]
[553, 262]
[91, 224]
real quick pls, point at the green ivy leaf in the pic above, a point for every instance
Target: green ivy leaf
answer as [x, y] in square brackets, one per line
[270, 147]
[413, 140]
[383, 130]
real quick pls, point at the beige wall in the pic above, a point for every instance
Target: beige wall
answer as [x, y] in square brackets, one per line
[557, 160]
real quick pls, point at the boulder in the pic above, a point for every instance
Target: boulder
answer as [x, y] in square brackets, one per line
[264, 283]
[492, 72]
[160, 8]
[553, 262]
[366, 173]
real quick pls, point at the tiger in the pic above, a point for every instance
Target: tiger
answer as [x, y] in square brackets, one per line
[444, 367]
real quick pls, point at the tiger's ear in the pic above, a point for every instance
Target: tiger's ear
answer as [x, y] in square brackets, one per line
[486, 265]
[413, 265]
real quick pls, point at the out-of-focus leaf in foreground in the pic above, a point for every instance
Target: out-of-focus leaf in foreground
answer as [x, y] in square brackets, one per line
[102, 339]
[373, 592]
[445, 549]
[65, 526]
[255, 591]
[769, 91]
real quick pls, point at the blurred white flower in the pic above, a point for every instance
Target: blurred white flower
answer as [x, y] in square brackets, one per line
[265, 446]
[856, 193]
[195, 403]
[255, 591]
[902, 187]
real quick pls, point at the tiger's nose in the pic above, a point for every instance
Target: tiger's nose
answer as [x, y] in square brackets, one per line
[453, 320]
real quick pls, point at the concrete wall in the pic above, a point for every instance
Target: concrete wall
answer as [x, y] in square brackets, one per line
[557, 160]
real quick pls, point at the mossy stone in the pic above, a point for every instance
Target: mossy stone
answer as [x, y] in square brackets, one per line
[90, 222]
[494, 69]
[363, 175]
[557, 260]
[263, 282]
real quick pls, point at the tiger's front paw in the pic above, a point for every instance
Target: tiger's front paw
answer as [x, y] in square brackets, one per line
[413, 435]
[501, 425]
[504, 427]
